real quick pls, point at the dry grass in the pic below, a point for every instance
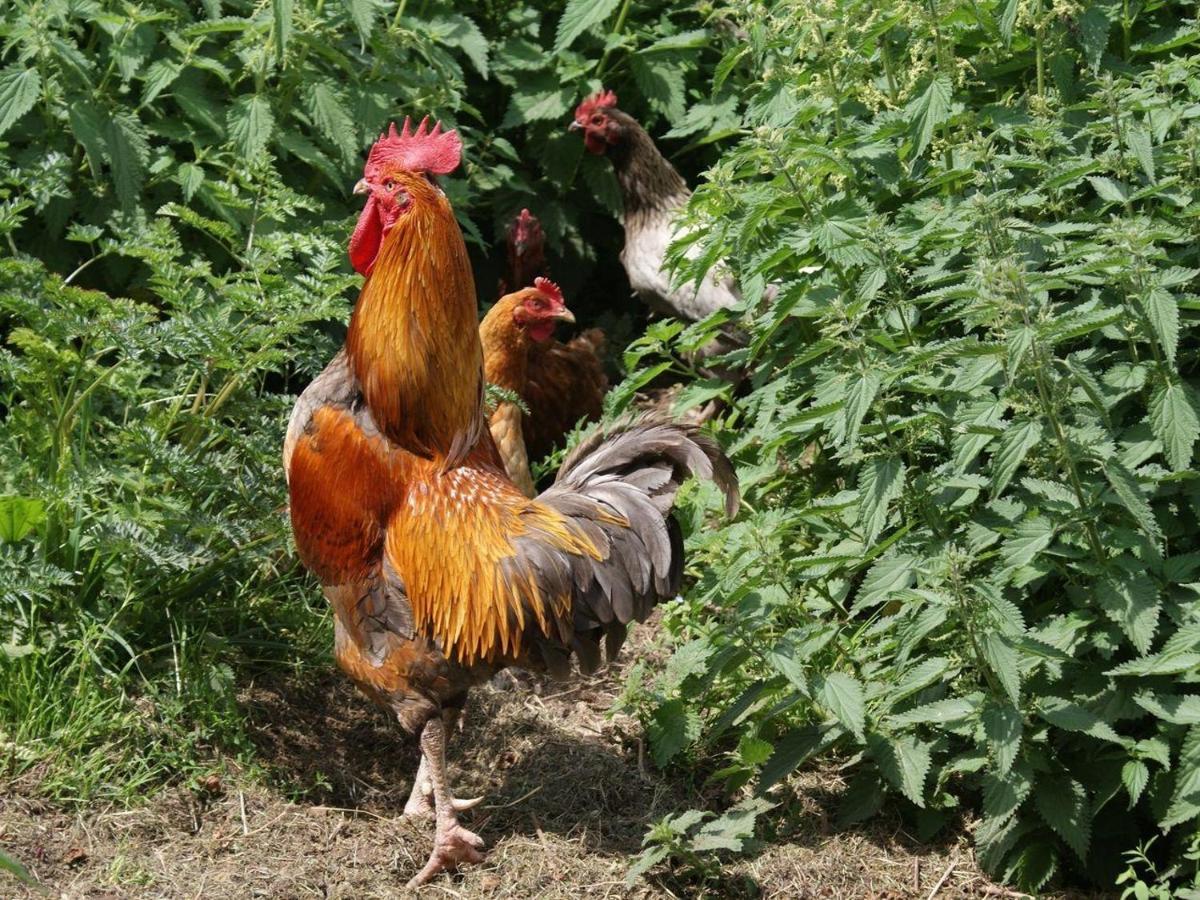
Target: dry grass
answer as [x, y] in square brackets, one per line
[569, 796]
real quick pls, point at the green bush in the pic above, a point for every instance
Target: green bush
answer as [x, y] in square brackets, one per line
[970, 558]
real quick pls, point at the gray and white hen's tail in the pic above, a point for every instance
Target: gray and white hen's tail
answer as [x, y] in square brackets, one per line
[617, 487]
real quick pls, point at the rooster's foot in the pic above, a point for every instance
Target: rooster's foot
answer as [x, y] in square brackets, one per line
[452, 847]
[420, 803]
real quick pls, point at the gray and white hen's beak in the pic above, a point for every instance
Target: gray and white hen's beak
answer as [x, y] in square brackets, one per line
[362, 187]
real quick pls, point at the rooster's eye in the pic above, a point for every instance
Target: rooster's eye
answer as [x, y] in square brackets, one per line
[389, 185]
[597, 119]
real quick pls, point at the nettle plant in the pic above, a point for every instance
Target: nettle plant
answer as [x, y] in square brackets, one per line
[970, 557]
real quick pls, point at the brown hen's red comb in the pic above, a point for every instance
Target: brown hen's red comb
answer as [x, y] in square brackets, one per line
[424, 150]
[602, 99]
[549, 288]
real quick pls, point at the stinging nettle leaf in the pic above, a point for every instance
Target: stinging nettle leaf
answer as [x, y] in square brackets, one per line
[250, 125]
[928, 111]
[1016, 442]
[1125, 485]
[842, 695]
[19, 90]
[1175, 422]
[904, 761]
[1002, 726]
[1063, 803]
[282, 12]
[578, 17]
[1163, 312]
[879, 483]
[362, 13]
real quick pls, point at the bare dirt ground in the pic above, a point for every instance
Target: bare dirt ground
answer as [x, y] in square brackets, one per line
[569, 795]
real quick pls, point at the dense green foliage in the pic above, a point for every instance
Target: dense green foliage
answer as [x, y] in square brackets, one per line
[970, 554]
[967, 563]
[193, 163]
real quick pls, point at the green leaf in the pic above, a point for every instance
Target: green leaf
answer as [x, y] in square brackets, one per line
[904, 761]
[863, 798]
[463, 33]
[1174, 421]
[1185, 797]
[1002, 726]
[1135, 775]
[731, 830]
[660, 81]
[1163, 313]
[330, 115]
[859, 398]
[888, 575]
[531, 104]
[1174, 708]
[1073, 717]
[20, 88]
[783, 658]
[1003, 795]
[1139, 143]
[1109, 190]
[1129, 492]
[1133, 602]
[1093, 35]
[1029, 538]
[794, 748]
[282, 12]
[362, 13]
[941, 712]
[1008, 19]
[879, 483]
[1002, 660]
[673, 728]
[128, 151]
[159, 76]
[190, 176]
[1063, 803]
[842, 695]
[89, 131]
[19, 516]
[930, 110]
[578, 17]
[1015, 444]
[250, 124]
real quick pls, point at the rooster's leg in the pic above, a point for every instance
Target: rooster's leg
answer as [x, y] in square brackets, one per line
[420, 801]
[453, 844]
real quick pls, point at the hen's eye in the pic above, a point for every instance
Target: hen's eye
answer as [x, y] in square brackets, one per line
[597, 119]
[389, 185]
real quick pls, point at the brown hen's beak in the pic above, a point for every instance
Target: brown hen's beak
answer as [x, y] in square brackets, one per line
[565, 315]
[362, 187]
[574, 126]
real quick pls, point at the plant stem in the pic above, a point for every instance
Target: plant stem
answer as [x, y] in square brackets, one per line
[617, 26]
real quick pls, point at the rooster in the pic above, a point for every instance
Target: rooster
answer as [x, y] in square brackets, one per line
[439, 571]
[654, 194]
[559, 383]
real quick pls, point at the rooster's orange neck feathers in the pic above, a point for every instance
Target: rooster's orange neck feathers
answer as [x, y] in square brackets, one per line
[413, 342]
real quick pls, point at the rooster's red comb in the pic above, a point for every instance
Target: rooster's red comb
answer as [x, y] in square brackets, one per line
[423, 150]
[602, 99]
[549, 289]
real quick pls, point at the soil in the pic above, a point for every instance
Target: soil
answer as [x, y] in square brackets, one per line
[569, 795]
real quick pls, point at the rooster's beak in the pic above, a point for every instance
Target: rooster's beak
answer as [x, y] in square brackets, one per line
[362, 187]
[565, 315]
[574, 126]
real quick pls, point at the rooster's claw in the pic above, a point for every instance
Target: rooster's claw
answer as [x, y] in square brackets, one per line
[451, 848]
